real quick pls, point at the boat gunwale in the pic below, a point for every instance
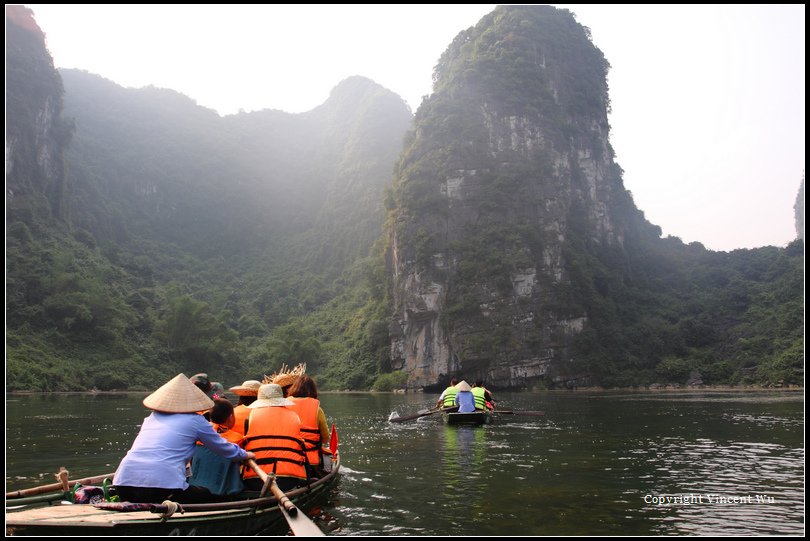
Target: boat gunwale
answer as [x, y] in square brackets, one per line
[192, 512]
[477, 417]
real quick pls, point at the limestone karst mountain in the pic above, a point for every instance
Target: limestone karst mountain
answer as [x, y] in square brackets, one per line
[147, 235]
[517, 255]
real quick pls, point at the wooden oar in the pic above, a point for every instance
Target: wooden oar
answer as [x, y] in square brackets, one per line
[299, 523]
[534, 413]
[40, 498]
[56, 486]
[418, 415]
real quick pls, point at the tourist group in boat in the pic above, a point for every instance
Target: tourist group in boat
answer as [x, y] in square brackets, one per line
[194, 445]
[467, 399]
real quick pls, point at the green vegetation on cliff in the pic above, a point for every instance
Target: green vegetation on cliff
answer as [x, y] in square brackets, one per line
[508, 173]
[146, 235]
[191, 242]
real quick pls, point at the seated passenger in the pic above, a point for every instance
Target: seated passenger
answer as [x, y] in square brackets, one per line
[247, 394]
[448, 397]
[464, 398]
[219, 475]
[274, 435]
[483, 398]
[314, 430]
[287, 376]
[154, 469]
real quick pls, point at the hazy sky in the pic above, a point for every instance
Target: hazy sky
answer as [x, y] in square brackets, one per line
[708, 101]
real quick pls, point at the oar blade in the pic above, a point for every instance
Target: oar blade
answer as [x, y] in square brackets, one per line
[301, 525]
[530, 413]
[418, 415]
[406, 418]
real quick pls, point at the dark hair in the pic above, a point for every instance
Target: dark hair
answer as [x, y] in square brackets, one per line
[453, 381]
[304, 387]
[221, 411]
[246, 400]
[202, 382]
[479, 383]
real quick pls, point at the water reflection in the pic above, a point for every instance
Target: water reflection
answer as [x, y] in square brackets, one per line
[585, 468]
[464, 453]
[735, 488]
[466, 493]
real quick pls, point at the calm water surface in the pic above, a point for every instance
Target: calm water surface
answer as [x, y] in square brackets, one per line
[597, 463]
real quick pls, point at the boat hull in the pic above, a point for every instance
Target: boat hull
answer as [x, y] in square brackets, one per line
[471, 418]
[246, 517]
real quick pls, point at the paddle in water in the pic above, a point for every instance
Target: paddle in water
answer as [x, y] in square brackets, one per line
[299, 523]
[532, 413]
[393, 419]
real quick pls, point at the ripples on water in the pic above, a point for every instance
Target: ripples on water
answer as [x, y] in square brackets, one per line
[758, 480]
[584, 468]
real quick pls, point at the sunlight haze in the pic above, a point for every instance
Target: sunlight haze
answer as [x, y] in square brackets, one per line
[707, 101]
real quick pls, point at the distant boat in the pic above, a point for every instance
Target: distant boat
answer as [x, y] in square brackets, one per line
[472, 418]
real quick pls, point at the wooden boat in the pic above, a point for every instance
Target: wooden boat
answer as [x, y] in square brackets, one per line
[472, 418]
[49, 515]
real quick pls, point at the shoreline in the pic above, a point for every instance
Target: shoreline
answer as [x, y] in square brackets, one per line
[647, 389]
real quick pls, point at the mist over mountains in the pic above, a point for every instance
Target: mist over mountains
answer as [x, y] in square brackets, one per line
[488, 235]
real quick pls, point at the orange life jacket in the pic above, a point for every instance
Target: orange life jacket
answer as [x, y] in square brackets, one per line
[230, 435]
[274, 435]
[307, 410]
[241, 414]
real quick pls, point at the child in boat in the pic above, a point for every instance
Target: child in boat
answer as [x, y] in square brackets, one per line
[218, 474]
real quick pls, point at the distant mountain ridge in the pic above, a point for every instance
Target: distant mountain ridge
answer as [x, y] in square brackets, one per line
[167, 238]
[147, 235]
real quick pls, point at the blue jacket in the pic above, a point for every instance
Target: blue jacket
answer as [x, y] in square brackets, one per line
[166, 441]
[465, 401]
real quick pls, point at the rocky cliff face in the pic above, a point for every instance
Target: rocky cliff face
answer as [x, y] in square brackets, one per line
[36, 135]
[798, 212]
[506, 184]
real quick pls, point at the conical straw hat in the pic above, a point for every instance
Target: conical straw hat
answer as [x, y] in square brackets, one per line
[178, 396]
[463, 386]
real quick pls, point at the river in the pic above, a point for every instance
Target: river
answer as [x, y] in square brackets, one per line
[598, 463]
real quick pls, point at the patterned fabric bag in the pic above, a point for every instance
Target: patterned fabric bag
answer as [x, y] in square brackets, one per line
[93, 494]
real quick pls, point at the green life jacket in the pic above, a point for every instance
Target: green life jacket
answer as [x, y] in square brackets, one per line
[450, 397]
[480, 401]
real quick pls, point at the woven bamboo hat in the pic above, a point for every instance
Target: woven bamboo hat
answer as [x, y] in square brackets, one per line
[248, 388]
[286, 376]
[463, 386]
[179, 395]
[270, 394]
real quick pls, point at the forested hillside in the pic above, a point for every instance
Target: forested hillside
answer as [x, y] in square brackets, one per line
[181, 240]
[146, 235]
